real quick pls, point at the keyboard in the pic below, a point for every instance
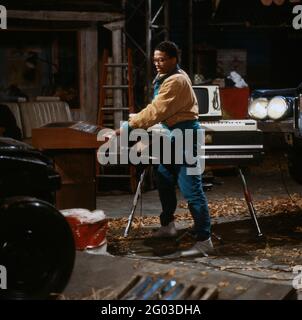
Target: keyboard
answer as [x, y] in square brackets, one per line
[229, 142]
[233, 147]
[230, 125]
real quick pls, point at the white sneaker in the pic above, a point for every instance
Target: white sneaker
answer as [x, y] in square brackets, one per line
[200, 248]
[168, 231]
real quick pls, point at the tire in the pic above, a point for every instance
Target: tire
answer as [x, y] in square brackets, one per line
[36, 247]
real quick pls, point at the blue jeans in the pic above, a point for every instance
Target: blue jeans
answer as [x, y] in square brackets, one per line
[190, 186]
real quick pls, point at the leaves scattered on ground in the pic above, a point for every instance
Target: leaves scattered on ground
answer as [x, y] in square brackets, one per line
[237, 207]
[141, 227]
[222, 208]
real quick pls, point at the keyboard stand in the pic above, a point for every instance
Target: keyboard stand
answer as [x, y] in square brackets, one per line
[138, 195]
[249, 202]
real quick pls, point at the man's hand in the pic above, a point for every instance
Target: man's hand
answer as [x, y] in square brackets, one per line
[124, 127]
[113, 133]
[118, 131]
[108, 135]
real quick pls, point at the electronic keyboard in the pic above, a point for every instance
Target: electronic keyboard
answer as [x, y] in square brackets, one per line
[229, 142]
[230, 125]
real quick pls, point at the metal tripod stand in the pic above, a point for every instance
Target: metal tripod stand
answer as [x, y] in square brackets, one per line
[249, 202]
[138, 195]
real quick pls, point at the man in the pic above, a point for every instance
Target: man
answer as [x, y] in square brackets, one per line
[175, 105]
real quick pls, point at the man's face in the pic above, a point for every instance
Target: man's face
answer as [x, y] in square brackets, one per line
[163, 63]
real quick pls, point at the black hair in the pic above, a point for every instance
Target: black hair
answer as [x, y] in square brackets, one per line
[169, 47]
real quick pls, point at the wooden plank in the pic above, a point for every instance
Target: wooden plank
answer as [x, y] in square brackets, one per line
[47, 26]
[116, 28]
[64, 137]
[130, 82]
[67, 5]
[102, 94]
[64, 15]
[88, 62]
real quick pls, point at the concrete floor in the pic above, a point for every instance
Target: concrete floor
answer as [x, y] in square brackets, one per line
[243, 267]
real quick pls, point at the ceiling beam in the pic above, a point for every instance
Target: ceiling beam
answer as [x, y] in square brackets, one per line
[64, 15]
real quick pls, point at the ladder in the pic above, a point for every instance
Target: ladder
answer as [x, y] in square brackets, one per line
[111, 111]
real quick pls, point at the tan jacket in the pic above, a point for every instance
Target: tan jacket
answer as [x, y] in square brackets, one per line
[175, 102]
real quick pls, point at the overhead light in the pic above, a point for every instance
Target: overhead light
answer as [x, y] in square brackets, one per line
[258, 109]
[279, 108]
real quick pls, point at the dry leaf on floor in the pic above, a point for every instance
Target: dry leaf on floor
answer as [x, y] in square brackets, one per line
[223, 284]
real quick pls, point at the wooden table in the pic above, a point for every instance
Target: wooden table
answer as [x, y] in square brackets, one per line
[72, 146]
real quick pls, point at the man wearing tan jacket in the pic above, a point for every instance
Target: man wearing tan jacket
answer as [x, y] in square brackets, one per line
[174, 105]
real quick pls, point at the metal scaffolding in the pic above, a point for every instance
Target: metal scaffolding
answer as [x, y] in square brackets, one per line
[155, 27]
[156, 17]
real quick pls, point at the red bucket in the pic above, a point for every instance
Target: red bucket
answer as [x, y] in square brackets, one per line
[89, 228]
